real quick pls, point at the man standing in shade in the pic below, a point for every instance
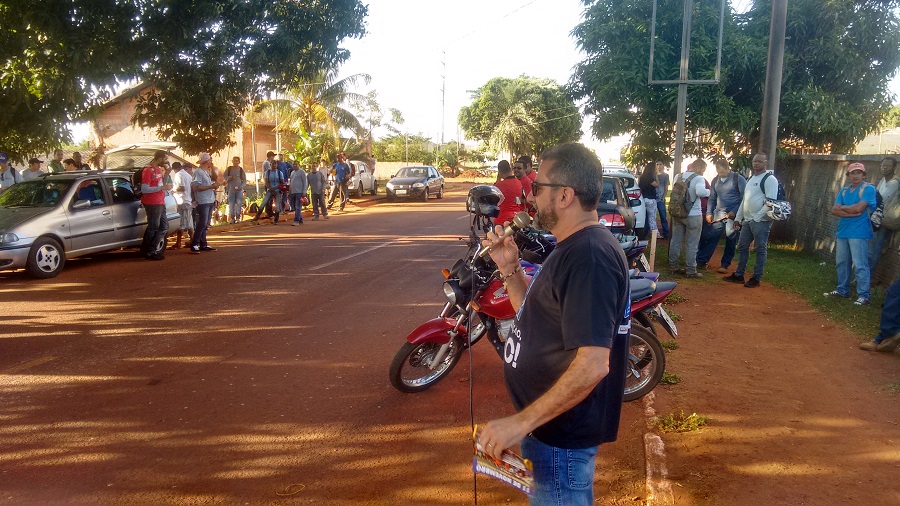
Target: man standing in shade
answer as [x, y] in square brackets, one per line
[661, 191]
[566, 353]
[204, 190]
[33, 171]
[235, 180]
[153, 198]
[753, 223]
[341, 178]
[55, 166]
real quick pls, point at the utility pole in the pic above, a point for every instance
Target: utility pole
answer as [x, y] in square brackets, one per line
[443, 94]
[768, 129]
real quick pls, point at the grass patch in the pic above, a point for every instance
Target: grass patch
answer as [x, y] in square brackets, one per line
[672, 314]
[675, 298]
[681, 423]
[893, 388]
[669, 379]
[670, 345]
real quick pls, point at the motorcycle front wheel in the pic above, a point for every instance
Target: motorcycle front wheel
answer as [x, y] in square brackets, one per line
[410, 372]
[646, 363]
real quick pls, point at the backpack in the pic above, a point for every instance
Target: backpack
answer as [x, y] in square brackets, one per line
[679, 198]
[779, 209]
[876, 218]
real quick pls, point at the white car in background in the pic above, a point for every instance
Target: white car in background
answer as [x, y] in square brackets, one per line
[363, 181]
[633, 191]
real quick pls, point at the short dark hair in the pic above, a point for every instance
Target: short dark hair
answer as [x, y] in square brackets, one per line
[270, 153]
[176, 165]
[503, 169]
[68, 161]
[159, 154]
[893, 161]
[525, 159]
[576, 166]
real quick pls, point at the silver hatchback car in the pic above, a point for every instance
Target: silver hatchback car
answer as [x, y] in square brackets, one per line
[56, 217]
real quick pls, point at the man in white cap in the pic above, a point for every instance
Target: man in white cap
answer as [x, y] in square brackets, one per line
[853, 205]
[8, 175]
[33, 171]
[204, 190]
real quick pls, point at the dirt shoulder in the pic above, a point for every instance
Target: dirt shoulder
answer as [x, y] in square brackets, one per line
[797, 413]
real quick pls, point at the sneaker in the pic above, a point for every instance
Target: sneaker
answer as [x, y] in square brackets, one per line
[834, 293]
[677, 270]
[701, 266]
[315, 218]
[326, 216]
[868, 346]
[889, 344]
[734, 278]
[207, 248]
[722, 270]
[195, 249]
[155, 256]
[861, 302]
[693, 275]
[294, 224]
[753, 282]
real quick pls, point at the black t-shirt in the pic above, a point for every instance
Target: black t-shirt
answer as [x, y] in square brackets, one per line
[647, 190]
[578, 298]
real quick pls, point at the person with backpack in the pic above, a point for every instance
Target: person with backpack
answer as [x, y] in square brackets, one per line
[273, 181]
[753, 221]
[851, 249]
[687, 218]
[887, 188]
[726, 192]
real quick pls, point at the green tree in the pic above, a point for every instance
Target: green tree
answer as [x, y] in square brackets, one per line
[207, 61]
[393, 148]
[524, 115]
[839, 56]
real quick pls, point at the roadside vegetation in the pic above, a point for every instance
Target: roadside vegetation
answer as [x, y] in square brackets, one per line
[681, 422]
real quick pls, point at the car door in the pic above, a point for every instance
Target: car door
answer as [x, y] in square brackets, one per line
[434, 181]
[365, 177]
[129, 217]
[91, 226]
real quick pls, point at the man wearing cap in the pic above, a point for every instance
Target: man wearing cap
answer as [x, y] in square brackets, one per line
[204, 191]
[33, 171]
[153, 198]
[341, 178]
[55, 166]
[852, 206]
[753, 223]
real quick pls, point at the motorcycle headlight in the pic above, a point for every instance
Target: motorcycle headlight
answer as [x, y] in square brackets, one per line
[450, 293]
[418, 185]
[8, 238]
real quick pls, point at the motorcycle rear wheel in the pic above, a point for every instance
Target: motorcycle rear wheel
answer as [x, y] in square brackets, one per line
[646, 363]
[410, 372]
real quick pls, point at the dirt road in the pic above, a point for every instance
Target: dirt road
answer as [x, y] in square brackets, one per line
[257, 374]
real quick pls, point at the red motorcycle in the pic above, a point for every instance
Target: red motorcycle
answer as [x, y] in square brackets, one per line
[478, 306]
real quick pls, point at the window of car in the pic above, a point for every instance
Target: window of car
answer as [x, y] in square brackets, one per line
[121, 189]
[90, 191]
[39, 193]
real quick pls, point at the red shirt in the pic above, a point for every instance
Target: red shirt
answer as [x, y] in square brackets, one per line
[152, 176]
[532, 175]
[512, 196]
[526, 184]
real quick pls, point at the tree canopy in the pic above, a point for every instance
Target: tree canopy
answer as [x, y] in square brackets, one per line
[839, 57]
[207, 61]
[524, 115]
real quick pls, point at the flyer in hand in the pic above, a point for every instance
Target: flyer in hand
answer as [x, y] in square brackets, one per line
[512, 469]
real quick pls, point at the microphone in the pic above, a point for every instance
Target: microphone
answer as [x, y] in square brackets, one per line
[520, 221]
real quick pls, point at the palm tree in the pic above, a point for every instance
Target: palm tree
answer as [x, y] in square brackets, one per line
[317, 106]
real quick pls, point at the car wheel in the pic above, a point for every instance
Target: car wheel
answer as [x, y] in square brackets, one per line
[46, 258]
[440, 194]
[374, 187]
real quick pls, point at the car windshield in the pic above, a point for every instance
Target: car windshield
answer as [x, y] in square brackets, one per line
[34, 194]
[412, 172]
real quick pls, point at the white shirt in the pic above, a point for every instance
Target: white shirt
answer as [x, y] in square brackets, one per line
[182, 179]
[887, 189]
[31, 175]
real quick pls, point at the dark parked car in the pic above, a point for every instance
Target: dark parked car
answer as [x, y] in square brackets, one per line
[56, 217]
[416, 182]
[614, 207]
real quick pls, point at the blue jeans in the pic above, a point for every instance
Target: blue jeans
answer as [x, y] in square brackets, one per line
[298, 207]
[235, 203]
[687, 230]
[852, 253]
[204, 212]
[875, 245]
[756, 232]
[890, 313]
[157, 226]
[271, 196]
[561, 477]
[710, 239]
[663, 219]
[318, 202]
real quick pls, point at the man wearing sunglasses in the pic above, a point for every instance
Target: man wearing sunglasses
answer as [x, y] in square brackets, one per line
[566, 354]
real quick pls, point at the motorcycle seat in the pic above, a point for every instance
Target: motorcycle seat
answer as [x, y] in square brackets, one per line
[641, 288]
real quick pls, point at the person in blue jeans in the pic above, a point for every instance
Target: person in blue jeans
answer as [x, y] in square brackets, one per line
[853, 205]
[725, 195]
[204, 190]
[567, 350]
[888, 337]
[661, 191]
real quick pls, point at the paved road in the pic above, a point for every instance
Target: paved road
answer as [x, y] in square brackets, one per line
[256, 374]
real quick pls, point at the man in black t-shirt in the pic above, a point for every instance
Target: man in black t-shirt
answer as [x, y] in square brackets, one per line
[566, 355]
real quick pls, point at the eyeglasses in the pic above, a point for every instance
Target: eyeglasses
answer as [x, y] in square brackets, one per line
[536, 187]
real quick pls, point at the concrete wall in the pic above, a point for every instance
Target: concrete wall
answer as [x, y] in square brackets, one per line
[812, 183]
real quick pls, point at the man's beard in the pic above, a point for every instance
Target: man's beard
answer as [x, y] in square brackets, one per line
[545, 219]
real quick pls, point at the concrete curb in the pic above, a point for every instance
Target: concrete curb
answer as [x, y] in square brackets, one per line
[659, 488]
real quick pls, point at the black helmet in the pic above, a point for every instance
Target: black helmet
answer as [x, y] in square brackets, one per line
[484, 199]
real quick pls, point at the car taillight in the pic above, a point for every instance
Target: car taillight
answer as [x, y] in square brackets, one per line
[634, 194]
[613, 220]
